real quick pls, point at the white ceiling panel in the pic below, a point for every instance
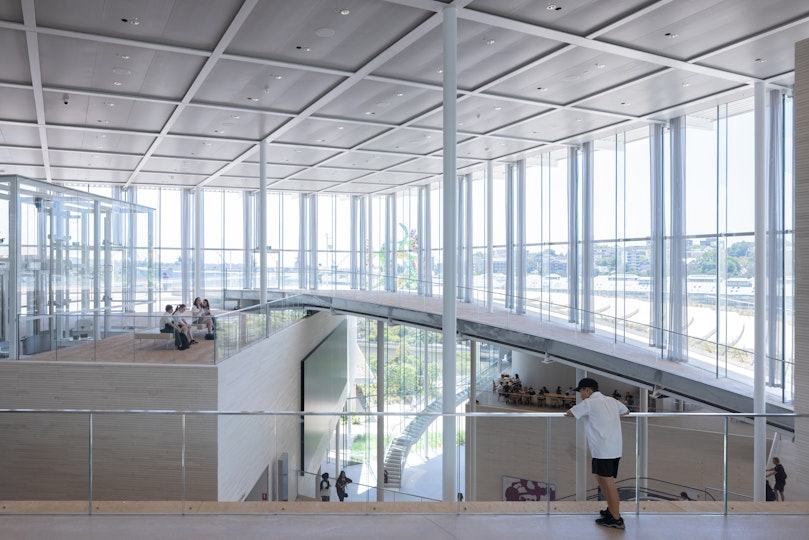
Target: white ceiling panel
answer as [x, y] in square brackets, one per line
[65, 174]
[384, 102]
[20, 156]
[484, 52]
[104, 140]
[663, 91]
[206, 121]
[188, 23]
[531, 79]
[580, 18]
[257, 86]
[204, 148]
[368, 160]
[119, 69]
[67, 108]
[481, 115]
[355, 188]
[101, 160]
[332, 133]
[302, 185]
[17, 104]
[317, 32]
[14, 56]
[13, 135]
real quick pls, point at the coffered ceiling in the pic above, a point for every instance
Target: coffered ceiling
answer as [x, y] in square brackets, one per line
[348, 93]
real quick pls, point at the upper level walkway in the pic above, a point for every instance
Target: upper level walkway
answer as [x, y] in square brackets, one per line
[595, 352]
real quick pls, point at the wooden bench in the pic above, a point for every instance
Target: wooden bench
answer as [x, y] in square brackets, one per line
[154, 333]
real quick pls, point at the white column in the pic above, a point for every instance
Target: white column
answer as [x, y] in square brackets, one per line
[450, 237]
[380, 408]
[489, 236]
[471, 439]
[582, 470]
[760, 343]
[262, 222]
[199, 280]
[643, 437]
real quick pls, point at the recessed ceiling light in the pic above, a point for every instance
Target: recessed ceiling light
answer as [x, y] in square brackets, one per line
[686, 84]
[123, 56]
[218, 131]
[277, 77]
[369, 113]
[625, 103]
[235, 116]
[100, 121]
[321, 140]
[542, 88]
[133, 21]
[600, 66]
[489, 41]
[343, 11]
[117, 83]
[206, 143]
[252, 99]
[304, 49]
[672, 35]
[108, 103]
[340, 127]
[399, 94]
[439, 70]
[760, 60]
[553, 7]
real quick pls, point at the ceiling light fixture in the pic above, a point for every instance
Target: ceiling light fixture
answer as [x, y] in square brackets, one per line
[542, 88]
[343, 11]
[760, 60]
[553, 7]
[252, 99]
[625, 103]
[218, 131]
[489, 41]
[117, 83]
[399, 94]
[686, 84]
[123, 56]
[304, 49]
[600, 65]
[277, 77]
[235, 116]
[497, 107]
[672, 35]
[133, 21]
[439, 70]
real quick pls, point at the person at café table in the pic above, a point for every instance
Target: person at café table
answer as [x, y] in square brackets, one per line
[559, 389]
[544, 390]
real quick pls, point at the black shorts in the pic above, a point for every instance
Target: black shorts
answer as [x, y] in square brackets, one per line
[606, 467]
[779, 486]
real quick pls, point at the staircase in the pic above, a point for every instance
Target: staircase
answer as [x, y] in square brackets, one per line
[399, 448]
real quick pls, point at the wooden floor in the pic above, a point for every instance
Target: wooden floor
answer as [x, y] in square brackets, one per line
[436, 521]
[125, 348]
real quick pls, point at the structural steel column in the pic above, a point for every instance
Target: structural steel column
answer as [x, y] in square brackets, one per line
[489, 236]
[262, 221]
[760, 340]
[657, 259]
[199, 256]
[450, 242]
[573, 234]
[519, 282]
[380, 408]
[677, 346]
[249, 244]
[588, 173]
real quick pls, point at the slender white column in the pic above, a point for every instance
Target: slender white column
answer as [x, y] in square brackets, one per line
[489, 236]
[199, 257]
[380, 407]
[582, 470]
[643, 437]
[760, 343]
[450, 243]
[471, 439]
[262, 222]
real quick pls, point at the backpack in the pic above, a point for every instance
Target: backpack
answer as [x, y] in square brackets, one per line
[210, 336]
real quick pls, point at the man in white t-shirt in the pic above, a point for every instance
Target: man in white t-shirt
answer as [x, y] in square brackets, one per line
[602, 423]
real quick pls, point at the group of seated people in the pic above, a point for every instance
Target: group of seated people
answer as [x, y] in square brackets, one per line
[173, 321]
[512, 390]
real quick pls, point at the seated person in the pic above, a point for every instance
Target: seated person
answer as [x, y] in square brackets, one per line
[182, 325]
[616, 394]
[531, 391]
[630, 401]
[544, 390]
[196, 311]
[207, 318]
[168, 325]
[559, 389]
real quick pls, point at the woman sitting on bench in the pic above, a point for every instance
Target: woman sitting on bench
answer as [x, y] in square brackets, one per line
[169, 326]
[182, 324]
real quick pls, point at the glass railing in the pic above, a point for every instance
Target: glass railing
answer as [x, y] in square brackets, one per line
[142, 461]
[133, 337]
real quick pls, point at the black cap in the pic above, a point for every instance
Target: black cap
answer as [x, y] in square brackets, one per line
[324, 476]
[587, 383]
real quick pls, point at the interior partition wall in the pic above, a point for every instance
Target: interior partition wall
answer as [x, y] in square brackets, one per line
[73, 265]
